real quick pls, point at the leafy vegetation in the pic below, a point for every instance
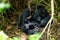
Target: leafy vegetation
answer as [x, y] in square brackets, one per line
[10, 10]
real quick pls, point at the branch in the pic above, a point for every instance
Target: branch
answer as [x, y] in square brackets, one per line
[52, 9]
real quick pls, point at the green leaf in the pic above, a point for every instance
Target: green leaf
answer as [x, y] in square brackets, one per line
[3, 36]
[10, 39]
[15, 38]
[4, 6]
[34, 36]
[8, 5]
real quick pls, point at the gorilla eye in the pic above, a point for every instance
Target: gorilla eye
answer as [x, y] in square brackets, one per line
[31, 27]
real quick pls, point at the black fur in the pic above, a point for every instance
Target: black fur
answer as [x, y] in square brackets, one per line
[39, 18]
[23, 17]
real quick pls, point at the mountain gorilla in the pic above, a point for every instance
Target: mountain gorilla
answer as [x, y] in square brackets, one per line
[39, 18]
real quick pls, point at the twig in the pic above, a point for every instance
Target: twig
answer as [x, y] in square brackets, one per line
[52, 9]
[48, 31]
[29, 1]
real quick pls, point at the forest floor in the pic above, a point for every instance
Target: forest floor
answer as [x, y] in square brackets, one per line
[10, 28]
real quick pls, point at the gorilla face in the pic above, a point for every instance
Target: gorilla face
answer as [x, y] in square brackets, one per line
[39, 19]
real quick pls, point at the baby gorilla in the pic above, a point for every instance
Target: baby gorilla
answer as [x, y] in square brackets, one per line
[39, 18]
